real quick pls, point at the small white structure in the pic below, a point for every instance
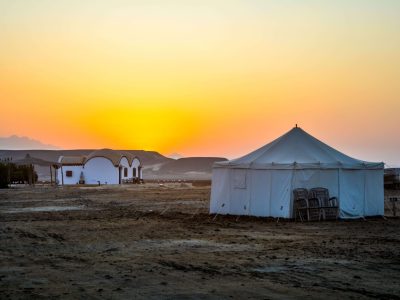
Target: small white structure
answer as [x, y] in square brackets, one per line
[99, 167]
[262, 182]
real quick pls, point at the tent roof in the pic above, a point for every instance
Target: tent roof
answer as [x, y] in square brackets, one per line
[297, 150]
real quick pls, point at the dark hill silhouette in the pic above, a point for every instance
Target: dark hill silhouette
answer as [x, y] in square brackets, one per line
[190, 164]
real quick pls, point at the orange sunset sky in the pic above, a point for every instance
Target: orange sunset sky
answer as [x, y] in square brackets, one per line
[202, 78]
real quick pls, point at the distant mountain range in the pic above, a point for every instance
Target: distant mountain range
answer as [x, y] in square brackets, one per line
[155, 165]
[182, 168]
[23, 142]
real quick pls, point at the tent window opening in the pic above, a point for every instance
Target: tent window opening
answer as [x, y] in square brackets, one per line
[125, 172]
[68, 173]
[134, 172]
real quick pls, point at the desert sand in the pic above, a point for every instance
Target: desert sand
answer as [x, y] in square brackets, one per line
[158, 242]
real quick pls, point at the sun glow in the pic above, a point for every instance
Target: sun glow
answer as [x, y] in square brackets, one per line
[201, 78]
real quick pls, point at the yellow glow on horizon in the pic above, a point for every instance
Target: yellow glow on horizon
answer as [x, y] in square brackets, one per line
[199, 78]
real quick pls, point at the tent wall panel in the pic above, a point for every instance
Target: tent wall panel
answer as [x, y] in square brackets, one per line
[239, 192]
[261, 192]
[374, 193]
[220, 188]
[330, 179]
[351, 193]
[281, 184]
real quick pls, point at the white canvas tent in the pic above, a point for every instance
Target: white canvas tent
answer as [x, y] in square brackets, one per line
[261, 183]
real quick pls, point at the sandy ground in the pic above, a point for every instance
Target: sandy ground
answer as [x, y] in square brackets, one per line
[152, 242]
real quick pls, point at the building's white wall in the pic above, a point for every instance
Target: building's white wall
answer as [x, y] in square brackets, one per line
[58, 176]
[125, 164]
[136, 165]
[76, 173]
[101, 169]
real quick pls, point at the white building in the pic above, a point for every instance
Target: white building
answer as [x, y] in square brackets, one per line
[261, 183]
[99, 167]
